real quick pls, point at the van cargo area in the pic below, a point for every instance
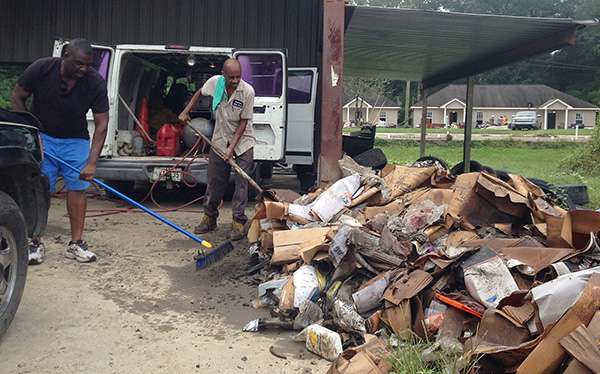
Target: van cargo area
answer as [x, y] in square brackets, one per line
[148, 87]
[156, 87]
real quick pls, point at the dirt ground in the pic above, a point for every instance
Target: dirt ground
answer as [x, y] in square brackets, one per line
[142, 307]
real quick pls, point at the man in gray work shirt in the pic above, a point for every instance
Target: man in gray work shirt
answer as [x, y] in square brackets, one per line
[233, 103]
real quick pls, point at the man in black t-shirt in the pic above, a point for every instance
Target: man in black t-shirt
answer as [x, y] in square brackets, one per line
[64, 89]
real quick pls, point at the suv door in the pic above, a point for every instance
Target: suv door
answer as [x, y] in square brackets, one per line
[266, 71]
[103, 60]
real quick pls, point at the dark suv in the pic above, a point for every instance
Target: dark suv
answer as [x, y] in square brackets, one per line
[24, 200]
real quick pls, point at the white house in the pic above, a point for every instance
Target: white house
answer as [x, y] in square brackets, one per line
[371, 108]
[557, 109]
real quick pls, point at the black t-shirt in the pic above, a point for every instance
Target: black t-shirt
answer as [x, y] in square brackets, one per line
[61, 112]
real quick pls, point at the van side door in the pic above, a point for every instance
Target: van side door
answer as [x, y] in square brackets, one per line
[302, 93]
[103, 62]
[266, 72]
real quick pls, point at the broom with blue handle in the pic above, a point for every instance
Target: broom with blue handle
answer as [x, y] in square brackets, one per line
[205, 257]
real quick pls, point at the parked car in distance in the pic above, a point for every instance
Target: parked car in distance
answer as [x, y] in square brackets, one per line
[578, 125]
[526, 120]
[24, 199]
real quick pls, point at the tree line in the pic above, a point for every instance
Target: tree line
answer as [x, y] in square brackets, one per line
[574, 70]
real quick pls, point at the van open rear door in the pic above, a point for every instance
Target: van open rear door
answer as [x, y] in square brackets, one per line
[266, 71]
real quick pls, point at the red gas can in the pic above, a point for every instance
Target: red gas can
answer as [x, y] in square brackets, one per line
[168, 140]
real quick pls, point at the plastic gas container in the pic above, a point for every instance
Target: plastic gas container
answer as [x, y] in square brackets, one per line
[168, 140]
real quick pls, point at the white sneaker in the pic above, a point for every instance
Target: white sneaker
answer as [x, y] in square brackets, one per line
[79, 251]
[36, 252]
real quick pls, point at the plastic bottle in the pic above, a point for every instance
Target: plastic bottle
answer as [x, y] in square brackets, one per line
[336, 197]
[322, 341]
[306, 284]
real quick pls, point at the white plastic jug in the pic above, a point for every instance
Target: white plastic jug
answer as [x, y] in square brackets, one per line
[321, 341]
[336, 197]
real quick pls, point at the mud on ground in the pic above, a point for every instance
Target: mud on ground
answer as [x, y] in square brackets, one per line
[142, 307]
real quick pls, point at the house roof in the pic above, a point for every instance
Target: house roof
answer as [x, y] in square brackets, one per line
[505, 96]
[435, 47]
[372, 99]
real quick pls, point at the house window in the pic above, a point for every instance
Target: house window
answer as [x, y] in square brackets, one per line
[479, 117]
[382, 116]
[578, 118]
[429, 115]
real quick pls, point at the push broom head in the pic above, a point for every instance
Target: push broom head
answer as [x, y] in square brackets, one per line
[207, 257]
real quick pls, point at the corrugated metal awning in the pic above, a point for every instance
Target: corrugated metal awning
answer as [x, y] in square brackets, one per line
[439, 47]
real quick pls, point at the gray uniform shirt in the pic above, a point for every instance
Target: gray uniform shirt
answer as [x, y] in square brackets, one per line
[229, 114]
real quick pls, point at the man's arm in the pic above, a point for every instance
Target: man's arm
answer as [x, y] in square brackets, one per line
[101, 122]
[19, 96]
[185, 114]
[236, 138]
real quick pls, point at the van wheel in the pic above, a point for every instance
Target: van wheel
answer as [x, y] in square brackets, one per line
[124, 187]
[13, 259]
[266, 170]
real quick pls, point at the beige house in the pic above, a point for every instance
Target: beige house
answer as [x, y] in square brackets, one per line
[371, 108]
[556, 109]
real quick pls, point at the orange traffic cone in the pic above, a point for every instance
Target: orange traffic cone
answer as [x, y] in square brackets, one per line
[145, 122]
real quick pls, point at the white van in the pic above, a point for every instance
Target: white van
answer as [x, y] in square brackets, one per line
[164, 78]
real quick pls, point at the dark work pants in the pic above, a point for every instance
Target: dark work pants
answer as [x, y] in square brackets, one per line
[217, 180]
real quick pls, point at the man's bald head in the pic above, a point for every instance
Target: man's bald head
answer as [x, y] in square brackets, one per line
[232, 71]
[232, 66]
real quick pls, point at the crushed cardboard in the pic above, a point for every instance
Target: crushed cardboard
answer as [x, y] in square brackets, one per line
[493, 248]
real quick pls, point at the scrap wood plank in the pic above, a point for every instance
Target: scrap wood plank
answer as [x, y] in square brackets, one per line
[581, 345]
[576, 367]
[549, 354]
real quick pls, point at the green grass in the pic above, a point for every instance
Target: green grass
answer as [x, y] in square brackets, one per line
[421, 356]
[533, 160]
[516, 134]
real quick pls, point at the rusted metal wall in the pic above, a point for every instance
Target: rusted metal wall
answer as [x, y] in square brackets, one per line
[29, 26]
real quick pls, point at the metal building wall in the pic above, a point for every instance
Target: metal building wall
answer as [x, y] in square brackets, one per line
[29, 26]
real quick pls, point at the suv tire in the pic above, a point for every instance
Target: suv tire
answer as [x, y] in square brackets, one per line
[13, 259]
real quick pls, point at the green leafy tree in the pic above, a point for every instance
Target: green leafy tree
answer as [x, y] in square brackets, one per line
[361, 86]
[8, 80]
[574, 70]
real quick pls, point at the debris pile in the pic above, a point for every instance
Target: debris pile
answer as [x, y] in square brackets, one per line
[490, 268]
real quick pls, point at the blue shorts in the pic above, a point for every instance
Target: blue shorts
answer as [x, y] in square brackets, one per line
[74, 151]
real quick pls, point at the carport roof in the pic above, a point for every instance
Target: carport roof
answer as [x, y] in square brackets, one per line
[435, 47]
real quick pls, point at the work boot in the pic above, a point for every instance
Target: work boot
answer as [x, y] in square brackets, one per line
[207, 224]
[238, 231]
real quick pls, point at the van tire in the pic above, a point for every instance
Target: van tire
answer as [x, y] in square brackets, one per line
[373, 158]
[266, 170]
[124, 187]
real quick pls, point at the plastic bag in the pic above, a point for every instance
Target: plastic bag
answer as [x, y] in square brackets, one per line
[347, 317]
